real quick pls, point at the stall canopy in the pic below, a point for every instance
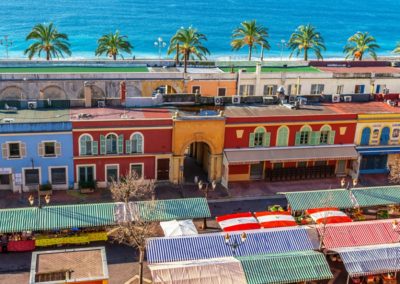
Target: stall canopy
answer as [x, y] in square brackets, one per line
[370, 260]
[178, 228]
[328, 216]
[238, 222]
[208, 271]
[56, 217]
[286, 267]
[205, 246]
[358, 234]
[376, 196]
[275, 219]
[303, 200]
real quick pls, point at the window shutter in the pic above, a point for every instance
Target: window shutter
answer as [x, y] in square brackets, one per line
[139, 145]
[251, 90]
[23, 150]
[266, 139]
[58, 149]
[241, 90]
[297, 141]
[251, 140]
[332, 137]
[102, 145]
[95, 148]
[41, 149]
[128, 145]
[275, 87]
[83, 147]
[315, 138]
[4, 150]
[120, 144]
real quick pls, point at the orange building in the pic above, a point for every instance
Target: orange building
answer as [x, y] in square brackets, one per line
[212, 88]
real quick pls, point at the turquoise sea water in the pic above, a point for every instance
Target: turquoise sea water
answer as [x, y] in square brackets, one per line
[146, 20]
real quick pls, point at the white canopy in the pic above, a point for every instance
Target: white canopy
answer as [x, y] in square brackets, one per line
[178, 228]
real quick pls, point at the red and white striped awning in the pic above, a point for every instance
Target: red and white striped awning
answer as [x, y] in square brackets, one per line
[328, 216]
[275, 219]
[238, 222]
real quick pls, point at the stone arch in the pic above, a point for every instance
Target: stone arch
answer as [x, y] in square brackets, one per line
[208, 142]
[53, 92]
[12, 93]
[97, 93]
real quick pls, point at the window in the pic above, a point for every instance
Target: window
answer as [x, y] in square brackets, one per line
[111, 173]
[111, 144]
[221, 92]
[5, 179]
[339, 89]
[283, 135]
[304, 137]
[49, 148]
[196, 90]
[259, 138]
[359, 89]
[86, 145]
[135, 145]
[58, 175]
[246, 90]
[137, 169]
[324, 135]
[14, 150]
[317, 89]
[380, 88]
[292, 89]
[302, 164]
[270, 90]
[31, 176]
[86, 173]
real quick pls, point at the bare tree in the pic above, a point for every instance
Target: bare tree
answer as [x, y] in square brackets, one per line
[394, 174]
[133, 229]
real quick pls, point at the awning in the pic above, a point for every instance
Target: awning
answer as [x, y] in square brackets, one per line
[358, 234]
[376, 196]
[205, 246]
[374, 150]
[291, 154]
[303, 200]
[238, 222]
[275, 219]
[328, 216]
[286, 268]
[178, 228]
[370, 260]
[56, 217]
[217, 270]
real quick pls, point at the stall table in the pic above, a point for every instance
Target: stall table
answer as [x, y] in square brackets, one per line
[28, 245]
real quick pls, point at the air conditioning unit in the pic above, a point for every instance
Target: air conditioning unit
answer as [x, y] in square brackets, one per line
[268, 100]
[292, 99]
[7, 120]
[101, 104]
[236, 100]
[347, 99]
[335, 98]
[302, 101]
[32, 105]
[218, 101]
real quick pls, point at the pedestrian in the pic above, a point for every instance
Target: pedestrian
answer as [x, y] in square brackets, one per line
[4, 243]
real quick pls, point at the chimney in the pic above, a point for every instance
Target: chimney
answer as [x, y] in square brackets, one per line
[87, 92]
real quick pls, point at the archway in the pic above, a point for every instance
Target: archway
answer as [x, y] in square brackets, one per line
[12, 93]
[54, 93]
[97, 93]
[197, 162]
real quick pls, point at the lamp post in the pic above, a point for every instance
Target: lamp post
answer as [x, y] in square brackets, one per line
[205, 189]
[282, 44]
[348, 186]
[160, 44]
[7, 43]
[235, 243]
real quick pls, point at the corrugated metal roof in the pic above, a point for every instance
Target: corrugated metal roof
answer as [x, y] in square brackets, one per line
[358, 234]
[303, 200]
[286, 268]
[380, 195]
[56, 217]
[207, 246]
[371, 260]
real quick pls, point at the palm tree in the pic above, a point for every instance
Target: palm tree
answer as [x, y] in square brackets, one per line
[188, 43]
[48, 40]
[306, 38]
[250, 34]
[397, 49]
[113, 44]
[359, 44]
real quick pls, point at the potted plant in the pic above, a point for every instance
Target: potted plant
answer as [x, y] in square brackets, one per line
[45, 189]
[87, 186]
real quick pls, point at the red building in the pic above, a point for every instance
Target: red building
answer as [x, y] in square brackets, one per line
[111, 142]
[280, 143]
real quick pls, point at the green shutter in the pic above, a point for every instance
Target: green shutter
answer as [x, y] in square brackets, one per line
[102, 145]
[315, 138]
[83, 147]
[128, 144]
[266, 139]
[332, 137]
[251, 140]
[121, 144]
[139, 145]
[95, 148]
[298, 134]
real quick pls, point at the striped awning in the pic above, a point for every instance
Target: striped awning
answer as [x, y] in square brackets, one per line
[207, 246]
[376, 196]
[303, 200]
[370, 260]
[165, 210]
[286, 267]
[56, 217]
[358, 234]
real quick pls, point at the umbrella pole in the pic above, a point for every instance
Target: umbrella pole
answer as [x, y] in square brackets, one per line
[348, 278]
[204, 223]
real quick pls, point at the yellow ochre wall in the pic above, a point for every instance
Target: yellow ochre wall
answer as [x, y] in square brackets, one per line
[377, 122]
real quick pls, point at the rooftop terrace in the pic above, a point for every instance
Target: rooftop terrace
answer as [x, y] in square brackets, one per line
[35, 116]
[120, 113]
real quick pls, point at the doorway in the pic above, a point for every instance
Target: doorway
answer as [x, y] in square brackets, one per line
[196, 162]
[256, 171]
[162, 169]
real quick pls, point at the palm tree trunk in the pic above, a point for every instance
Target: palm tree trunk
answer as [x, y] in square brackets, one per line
[114, 56]
[47, 55]
[186, 61]
[177, 54]
[305, 54]
[250, 51]
[361, 55]
[141, 259]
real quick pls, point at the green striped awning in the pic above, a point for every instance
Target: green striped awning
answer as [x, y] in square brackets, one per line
[303, 200]
[285, 267]
[56, 217]
[166, 210]
[375, 196]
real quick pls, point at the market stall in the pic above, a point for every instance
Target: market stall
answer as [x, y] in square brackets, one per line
[178, 228]
[238, 222]
[275, 219]
[329, 215]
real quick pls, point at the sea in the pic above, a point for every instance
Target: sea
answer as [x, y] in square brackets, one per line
[144, 21]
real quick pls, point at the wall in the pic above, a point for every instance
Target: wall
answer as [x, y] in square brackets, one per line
[210, 87]
[376, 122]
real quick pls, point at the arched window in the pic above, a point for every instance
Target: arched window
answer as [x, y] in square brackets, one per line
[324, 135]
[304, 137]
[283, 136]
[111, 144]
[135, 144]
[365, 136]
[385, 135]
[85, 145]
[259, 138]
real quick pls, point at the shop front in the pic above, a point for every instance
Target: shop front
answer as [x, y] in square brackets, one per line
[6, 180]
[377, 159]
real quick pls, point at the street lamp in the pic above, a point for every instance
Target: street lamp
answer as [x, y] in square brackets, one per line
[31, 200]
[235, 244]
[7, 43]
[160, 44]
[282, 44]
[348, 186]
[205, 189]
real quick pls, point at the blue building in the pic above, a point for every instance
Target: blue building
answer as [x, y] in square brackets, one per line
[36, 148]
